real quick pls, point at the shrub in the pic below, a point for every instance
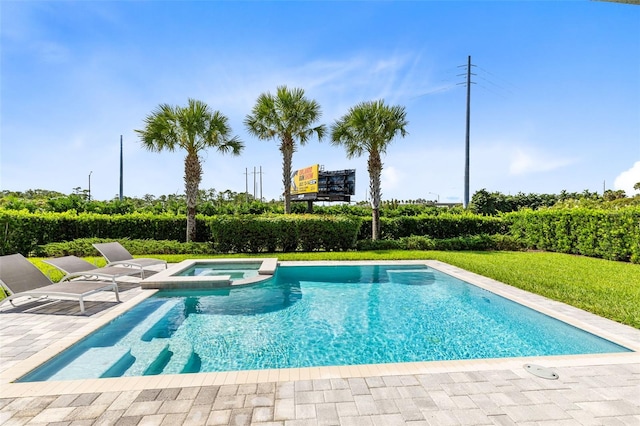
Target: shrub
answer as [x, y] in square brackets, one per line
[416, 242]
[22, 231]
[470, 242]
[242, 234]
[609, 234]
[83, 247]
[442, 225]
[458, 225]
[330, 233]
[372, 245]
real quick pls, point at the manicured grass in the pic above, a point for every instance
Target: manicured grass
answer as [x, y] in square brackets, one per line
[605, 288]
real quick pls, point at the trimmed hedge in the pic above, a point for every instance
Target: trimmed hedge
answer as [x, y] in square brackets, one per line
[472, 242]
[441, 226]
[22, 231]
[609, 234]
[252, 234]
[83, 247]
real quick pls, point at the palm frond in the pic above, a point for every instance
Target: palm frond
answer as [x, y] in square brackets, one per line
[286, 114]
[194, 128]
[288, 117]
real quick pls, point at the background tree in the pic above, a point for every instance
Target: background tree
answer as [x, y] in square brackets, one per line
[610, 195]
[370, 127]
[193, 128]
[288, 117]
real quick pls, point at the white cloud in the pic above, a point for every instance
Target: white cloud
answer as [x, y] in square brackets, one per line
[527, 160]
[627, 179]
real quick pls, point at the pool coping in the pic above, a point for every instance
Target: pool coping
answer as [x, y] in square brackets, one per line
[618, 333]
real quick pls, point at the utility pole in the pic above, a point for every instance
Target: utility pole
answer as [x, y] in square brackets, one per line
[90, 185]
[466, 139]
[465, 202]
[254, 182]
[246, 182]
[121, 174]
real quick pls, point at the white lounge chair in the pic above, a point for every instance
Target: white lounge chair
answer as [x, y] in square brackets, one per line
[116, 254]
[75, 267]
[20, 278]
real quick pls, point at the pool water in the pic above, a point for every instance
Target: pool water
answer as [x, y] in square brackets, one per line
[319, 316]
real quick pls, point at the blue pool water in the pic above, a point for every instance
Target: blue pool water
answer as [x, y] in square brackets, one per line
[318, 316]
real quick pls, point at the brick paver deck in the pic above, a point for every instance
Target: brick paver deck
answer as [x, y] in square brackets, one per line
[590, 390]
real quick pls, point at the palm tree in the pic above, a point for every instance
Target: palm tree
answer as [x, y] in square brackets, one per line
[193, 128]
[370, 127]
[286, 117]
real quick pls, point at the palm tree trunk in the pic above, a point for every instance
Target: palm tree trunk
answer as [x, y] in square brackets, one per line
[192, 178]
[287, 154]
[374, 167]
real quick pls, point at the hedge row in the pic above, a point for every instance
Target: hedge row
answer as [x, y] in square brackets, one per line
[83, 247]
[442, 226]
[22, 231]
[471, 242]
[609, 234]
[283, 233]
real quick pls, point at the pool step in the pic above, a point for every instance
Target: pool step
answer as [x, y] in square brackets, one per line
[411, 276]
[96, 363]
[184, 360]
[135, 335]
[150, 358]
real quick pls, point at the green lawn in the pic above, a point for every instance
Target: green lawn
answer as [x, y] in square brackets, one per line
[605, 288]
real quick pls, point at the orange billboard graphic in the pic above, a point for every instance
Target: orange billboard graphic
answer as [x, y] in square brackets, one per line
[305, 181]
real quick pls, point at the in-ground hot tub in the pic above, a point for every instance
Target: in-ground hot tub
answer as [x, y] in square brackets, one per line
[212, 273]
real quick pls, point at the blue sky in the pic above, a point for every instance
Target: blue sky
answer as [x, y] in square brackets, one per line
[555, 105]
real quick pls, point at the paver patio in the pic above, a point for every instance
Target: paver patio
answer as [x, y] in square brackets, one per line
[590, 390]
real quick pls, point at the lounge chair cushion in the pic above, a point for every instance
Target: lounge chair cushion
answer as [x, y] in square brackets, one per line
[22, 279]
[74, 266]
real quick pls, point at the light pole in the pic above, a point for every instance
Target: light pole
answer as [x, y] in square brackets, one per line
[90, 185]
[437, 195]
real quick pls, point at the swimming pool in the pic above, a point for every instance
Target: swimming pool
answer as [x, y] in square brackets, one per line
[318, 316]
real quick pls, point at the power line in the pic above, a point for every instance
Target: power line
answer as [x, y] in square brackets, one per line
[505, 85]
[497, 76]
[491, 91]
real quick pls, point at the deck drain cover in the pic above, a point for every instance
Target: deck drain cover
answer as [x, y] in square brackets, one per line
[540, 371]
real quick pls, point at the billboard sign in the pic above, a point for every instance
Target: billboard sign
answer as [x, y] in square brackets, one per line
[305, 181]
